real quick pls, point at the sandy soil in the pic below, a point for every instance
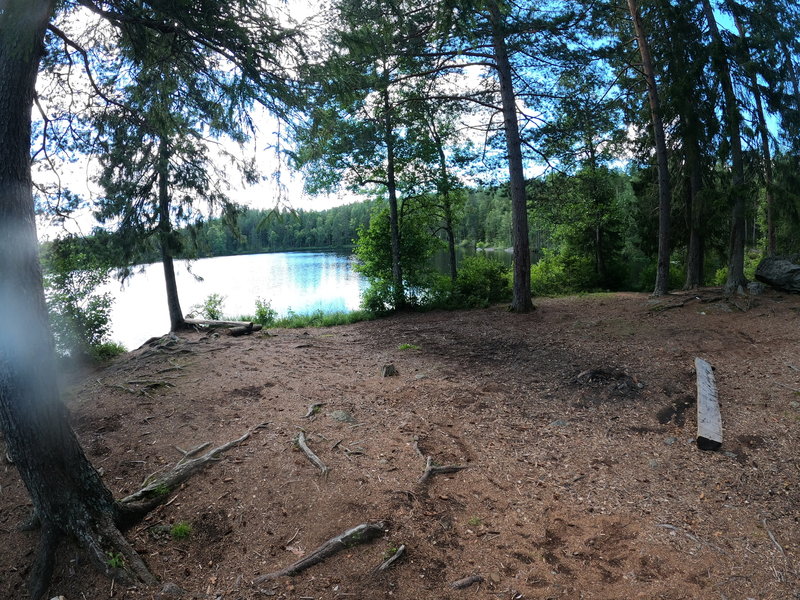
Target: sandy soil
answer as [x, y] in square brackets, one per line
[579, 485]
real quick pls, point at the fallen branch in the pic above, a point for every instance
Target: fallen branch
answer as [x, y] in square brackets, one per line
[392, 559]
[466, 582]
[155, 491]
[772, 537]
[431, 470]
[301, 442]
[360, 534]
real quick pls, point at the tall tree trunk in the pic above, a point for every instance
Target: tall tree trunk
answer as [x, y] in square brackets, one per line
[792, 70]
[176, 320]
[765, 148]
[736, 278]
[444, 192]
[69, 498]
[664, 192]
[398, 292]
[695, 259]
[521, 301]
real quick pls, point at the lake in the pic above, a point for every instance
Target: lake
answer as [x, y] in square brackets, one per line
[302, 282]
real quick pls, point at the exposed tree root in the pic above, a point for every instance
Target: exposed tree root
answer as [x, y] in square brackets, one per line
[44, 562]
[392, 559]
[301, 442]
[155, 491]
[360, 534]
[466, 582]
[431, 470]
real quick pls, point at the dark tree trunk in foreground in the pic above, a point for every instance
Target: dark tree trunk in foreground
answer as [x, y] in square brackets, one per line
[736, 278]
[664, 192]
[176, 321]
[69, 498]
[521, 301]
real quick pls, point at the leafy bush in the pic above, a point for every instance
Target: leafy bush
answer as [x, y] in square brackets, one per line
[265, 314]
[80, 317]
[210, 308]
[483, 280]
[751, 259]
[564, 273]
[106, 351]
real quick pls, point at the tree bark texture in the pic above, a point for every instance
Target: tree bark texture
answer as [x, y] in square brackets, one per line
[394, 218]
[664, 192]
[68, 495]
[736, 278]
[695, 259]
[176, 321]
[521, 301]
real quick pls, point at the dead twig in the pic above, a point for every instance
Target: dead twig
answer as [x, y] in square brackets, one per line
[392, 559]
[315, 460]
[360, 534]
[431, 470]
[772, 537]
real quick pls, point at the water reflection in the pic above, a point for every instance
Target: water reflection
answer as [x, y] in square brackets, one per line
[299, 281]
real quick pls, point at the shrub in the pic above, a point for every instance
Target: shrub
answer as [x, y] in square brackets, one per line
[482, 281]
[80, 317]
[210, 308]
[265, 314]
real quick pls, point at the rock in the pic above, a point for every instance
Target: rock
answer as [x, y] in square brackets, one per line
[779, 272]
[342, 416]
[756, 288]
[670, 440]
[559, 423]
[171, 590]
[389, 371]
[58, 598]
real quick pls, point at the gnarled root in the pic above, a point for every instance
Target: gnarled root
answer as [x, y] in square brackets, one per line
[352, 537]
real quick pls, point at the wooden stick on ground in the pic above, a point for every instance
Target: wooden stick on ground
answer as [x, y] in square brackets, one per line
[391, 560]
[301, 442]
[360, 534]
[431, 470]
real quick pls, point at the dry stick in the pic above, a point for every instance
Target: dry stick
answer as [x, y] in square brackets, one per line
[301, 441]
[352, 537]
[772, 537]
[313, 409]
[431, 470]
[788, 387]
[466, 582]
[390, 561]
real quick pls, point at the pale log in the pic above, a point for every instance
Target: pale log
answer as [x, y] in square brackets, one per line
[709, 419]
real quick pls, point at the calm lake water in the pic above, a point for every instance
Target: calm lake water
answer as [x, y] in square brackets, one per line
[299, 281]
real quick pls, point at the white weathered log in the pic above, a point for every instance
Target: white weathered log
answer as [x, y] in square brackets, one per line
[709, 419]
[214, 323]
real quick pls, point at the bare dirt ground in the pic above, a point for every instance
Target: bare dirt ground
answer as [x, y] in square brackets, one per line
[576, 423]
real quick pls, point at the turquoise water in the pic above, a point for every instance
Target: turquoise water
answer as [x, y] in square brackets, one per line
[298, 281]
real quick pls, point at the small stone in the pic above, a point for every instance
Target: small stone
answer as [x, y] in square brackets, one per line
[342, 416]
[58, 598]
[389, 371]
[559, 423]
[171, 590]
[670, 440]
[654, 464]
[730, 454]
[794, 404]
[420, 376]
